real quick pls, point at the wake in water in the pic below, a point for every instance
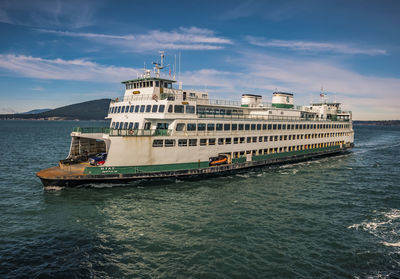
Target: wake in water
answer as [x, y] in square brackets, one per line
[386, 227]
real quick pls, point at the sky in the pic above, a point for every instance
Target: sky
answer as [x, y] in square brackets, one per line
[55, 52]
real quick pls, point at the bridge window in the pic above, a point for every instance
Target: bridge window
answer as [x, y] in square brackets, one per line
[189, 109]
[178, 108]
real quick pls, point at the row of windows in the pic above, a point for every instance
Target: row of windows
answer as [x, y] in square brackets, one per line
[255, 127]
[284, 149]
[239, 140]
[144, 84]
[152, 108]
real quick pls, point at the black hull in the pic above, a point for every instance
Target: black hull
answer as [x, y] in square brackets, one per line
[192, 173]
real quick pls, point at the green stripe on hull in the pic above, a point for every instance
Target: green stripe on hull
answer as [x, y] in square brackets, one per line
[149, 168]
[282, 106]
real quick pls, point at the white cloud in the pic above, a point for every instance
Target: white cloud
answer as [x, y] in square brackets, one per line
[369, 97]
[59, 69]
[48, 13]
[192, 38]
[314, 46]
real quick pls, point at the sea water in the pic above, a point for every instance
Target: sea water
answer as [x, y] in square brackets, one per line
[337, 217]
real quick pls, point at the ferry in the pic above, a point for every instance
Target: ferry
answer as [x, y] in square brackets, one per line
[160, 130]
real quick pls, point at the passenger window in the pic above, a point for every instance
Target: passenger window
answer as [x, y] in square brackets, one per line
[130, 125]
[158, 143]
[162, 126]
[136, 126]
[234, 127]
[119, 109]
[211, 141]
[247, 126]
[155, 107]
[137, 108]
[161, 108]
[210, 127]
[241, 127]
[170, 108]
[131, 109]
[142, 107]
[180, 126]
[192, 142]
[169, 143]
[219, 127]
[201, 127]
[203, 142]
[147, 125]
[182, 142]
[191, 127]
[253, 127]
[227, 127]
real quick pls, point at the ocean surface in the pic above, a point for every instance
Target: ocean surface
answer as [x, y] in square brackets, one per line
[337, 217]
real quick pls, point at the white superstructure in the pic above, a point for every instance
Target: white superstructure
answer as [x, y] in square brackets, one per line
[156, 127]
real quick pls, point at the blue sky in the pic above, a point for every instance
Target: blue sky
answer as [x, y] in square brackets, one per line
[55, 53]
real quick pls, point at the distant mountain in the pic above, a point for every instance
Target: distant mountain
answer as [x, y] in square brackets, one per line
[91, 110]
[34, 111]
[377, 122]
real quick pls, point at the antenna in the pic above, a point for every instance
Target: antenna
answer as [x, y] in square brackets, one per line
[179, 72]
[157, 66]
[175, 68]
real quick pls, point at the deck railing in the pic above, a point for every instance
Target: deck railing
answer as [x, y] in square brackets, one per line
[91, 130]
[139, 132]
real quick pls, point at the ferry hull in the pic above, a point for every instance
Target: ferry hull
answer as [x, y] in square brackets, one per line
[78, 180]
